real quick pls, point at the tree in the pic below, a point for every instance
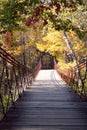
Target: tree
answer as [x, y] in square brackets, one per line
[11, 18]
[56, 12]
[80, 83]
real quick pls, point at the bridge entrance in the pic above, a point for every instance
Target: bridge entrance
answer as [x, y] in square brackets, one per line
[47, 61]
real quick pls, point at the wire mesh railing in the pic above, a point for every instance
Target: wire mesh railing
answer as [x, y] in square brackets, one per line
[14, 79]
[70, 77]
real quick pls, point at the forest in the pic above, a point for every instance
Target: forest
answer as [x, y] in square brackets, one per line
[31, 28]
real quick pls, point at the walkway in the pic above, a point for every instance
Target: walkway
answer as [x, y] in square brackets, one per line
[47, 105]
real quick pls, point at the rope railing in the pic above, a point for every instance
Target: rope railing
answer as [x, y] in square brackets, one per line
[69, 76]
[14, 79]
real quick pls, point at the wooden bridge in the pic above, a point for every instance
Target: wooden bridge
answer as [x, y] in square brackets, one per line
[46, 104]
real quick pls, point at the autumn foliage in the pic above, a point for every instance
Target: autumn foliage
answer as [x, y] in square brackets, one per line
[37, 15]
[7, 39]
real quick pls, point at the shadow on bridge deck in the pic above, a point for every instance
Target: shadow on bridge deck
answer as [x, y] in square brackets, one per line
[47, 105]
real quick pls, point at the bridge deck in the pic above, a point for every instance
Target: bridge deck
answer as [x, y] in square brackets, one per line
[47, 105]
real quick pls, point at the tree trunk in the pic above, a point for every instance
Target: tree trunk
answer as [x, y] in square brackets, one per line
[79, 79]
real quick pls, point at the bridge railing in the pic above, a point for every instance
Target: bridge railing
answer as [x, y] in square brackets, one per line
[14, 79]
[37, 69]
[69, 76]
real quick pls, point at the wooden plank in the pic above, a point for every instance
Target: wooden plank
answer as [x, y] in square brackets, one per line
[47, 105]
